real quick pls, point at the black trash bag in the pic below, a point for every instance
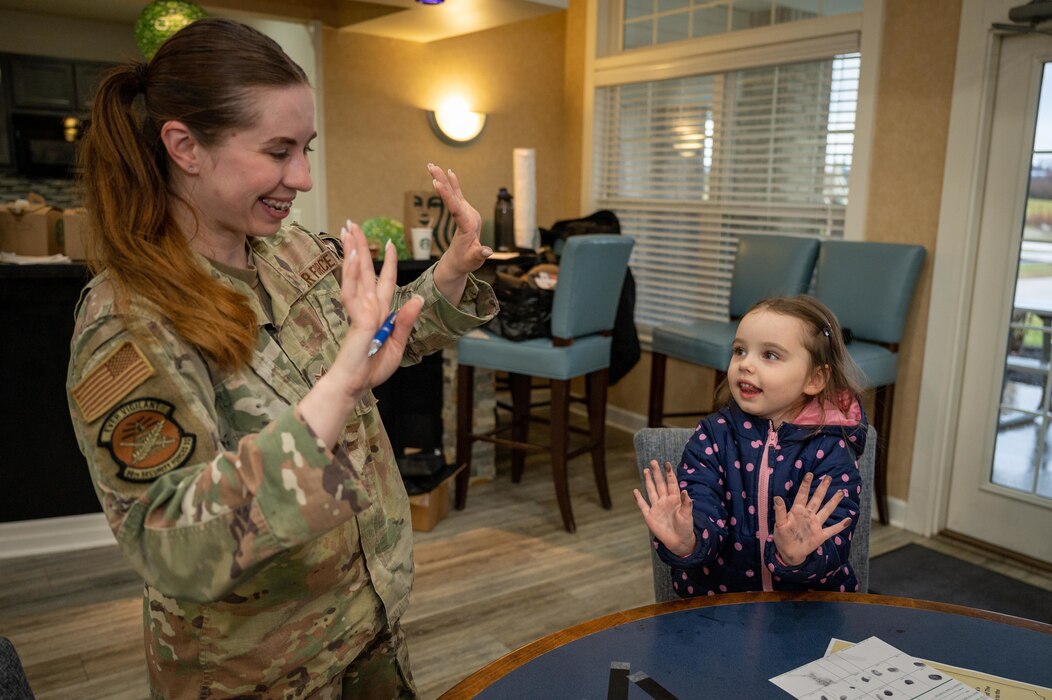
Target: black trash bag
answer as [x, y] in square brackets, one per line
[525, 308]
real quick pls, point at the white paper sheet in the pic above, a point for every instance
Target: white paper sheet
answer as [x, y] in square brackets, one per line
[872, 669]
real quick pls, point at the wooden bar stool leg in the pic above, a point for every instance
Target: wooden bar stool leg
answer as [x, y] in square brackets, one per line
[520, 421]
[596, 386]
[465, 418]
[656, 412]
[560, 414]
[885, 395]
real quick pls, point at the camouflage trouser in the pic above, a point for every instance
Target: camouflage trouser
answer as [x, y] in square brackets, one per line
[380, 672]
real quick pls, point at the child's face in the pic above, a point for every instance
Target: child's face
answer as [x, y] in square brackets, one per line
[770, 373]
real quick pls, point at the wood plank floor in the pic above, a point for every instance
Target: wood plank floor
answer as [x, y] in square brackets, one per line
[489, 579]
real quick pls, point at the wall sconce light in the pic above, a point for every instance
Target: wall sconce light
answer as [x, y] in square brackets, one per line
[454, 123]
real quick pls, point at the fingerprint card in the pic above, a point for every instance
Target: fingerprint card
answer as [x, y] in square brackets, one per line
[872, 669]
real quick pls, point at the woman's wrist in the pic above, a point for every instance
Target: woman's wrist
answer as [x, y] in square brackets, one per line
[326, 406]
[449, 282]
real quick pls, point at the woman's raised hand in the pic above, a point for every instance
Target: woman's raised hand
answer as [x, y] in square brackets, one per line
[367, 301]
[466, 252]
[668, 514]
[799, 531]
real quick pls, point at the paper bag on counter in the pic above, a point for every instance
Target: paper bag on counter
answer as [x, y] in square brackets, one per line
[75, 227]
[426, 208]
[30, 227]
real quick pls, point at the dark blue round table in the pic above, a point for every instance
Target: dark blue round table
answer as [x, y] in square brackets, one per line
[729, 646]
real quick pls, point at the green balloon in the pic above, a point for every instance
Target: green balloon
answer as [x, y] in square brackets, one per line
[160, 20]
[381, 229]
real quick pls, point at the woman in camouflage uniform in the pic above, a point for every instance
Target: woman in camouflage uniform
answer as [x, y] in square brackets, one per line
[219, 380]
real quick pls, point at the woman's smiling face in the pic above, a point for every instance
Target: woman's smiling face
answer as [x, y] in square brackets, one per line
[248, 181]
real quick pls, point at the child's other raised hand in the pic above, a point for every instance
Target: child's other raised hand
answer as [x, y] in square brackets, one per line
[799, 531]
[668, 514]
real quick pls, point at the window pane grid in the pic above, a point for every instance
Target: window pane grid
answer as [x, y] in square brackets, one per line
[648, 23]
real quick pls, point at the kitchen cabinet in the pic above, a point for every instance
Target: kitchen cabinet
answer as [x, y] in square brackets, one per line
[6, 158]
[87, 77]
[54, 84]
[45, 476]
[42, 83]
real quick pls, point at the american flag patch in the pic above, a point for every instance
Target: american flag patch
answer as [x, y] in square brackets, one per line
[123, 369]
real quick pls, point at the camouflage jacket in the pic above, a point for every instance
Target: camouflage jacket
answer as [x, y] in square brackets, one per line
[269, 561]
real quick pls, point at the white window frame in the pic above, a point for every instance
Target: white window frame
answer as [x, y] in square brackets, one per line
[791, 42]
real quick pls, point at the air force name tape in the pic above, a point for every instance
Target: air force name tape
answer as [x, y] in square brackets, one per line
[320, 266]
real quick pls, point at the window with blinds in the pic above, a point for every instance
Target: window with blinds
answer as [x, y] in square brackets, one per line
[690, 164]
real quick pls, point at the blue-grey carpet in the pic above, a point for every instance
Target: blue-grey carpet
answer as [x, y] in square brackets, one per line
[915, 571]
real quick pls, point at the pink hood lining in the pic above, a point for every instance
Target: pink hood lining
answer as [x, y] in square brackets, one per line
[817, 412]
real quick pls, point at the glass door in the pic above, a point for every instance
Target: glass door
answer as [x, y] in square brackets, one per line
[1001, 488]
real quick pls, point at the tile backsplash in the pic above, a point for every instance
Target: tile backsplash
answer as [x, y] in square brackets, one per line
[60, 193]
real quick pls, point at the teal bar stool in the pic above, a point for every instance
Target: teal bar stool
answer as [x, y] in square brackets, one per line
[869, 286]
[764, 265]
[591, 272]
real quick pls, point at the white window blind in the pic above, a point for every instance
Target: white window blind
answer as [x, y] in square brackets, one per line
[690, 164]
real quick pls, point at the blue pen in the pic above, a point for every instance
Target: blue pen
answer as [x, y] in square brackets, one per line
[381, 335]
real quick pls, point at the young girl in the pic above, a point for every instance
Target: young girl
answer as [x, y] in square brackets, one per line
[747, 508]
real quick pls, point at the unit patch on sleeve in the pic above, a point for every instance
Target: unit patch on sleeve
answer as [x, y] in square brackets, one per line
[145, 440]
[121, 371]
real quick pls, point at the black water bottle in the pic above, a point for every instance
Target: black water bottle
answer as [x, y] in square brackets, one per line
[504, 221]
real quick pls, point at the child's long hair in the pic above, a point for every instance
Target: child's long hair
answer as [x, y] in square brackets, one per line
[824, 341]
[203, 76]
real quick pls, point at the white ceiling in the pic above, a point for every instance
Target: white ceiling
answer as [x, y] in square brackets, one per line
[414, 22]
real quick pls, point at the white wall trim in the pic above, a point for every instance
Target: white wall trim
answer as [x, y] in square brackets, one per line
[321, 189]
[588, 107]
[865, 119]
[953, 270]
[51, 535]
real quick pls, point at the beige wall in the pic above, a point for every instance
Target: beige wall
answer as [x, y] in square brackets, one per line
[909, 150]
[918, 52]
[66, 37]
[377, 137]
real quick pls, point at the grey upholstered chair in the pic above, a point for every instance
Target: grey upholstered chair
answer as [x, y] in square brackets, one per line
[13, 683]
[666, 445]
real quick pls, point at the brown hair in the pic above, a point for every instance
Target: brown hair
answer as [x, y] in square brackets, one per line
[203, 76]
[824, 341]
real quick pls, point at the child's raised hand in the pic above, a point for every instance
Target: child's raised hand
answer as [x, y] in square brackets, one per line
[799, 531]
[669, 514]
